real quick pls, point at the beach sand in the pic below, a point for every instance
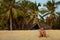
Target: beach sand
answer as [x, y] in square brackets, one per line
[29, 35]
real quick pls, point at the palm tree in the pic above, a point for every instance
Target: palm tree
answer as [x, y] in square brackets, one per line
[35, 10]
[51, 6]
[27, 6]
[9, 6]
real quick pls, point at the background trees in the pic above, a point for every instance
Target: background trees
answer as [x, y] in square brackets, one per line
[21, 14]
[51, 6]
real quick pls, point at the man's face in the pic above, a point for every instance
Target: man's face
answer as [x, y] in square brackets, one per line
[42, 28]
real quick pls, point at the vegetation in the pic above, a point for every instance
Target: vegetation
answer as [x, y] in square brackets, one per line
[23, 14]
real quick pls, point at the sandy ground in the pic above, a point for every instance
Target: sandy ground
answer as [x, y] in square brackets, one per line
[29, 35]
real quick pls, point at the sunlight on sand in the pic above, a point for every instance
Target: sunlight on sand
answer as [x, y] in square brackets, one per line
[29, 35]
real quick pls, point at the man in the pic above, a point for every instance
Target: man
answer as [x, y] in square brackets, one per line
[42, 32]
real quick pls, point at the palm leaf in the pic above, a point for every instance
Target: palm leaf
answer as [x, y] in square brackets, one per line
[58, 13]
[45, 14]
[57, 3]
[43, 11]
[39, 4]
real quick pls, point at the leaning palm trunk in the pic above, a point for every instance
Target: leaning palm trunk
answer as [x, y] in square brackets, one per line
[36, 20]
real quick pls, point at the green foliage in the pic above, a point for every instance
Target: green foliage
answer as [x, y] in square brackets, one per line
[19, 15]
[43, 11]
[51, 6]
[56, 24]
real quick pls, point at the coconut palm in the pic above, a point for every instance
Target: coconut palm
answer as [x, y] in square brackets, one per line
[29, 8]
[8, 7]
[35, 10]
[51, 6]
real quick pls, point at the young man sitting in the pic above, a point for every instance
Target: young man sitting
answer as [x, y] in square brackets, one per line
[42, 32]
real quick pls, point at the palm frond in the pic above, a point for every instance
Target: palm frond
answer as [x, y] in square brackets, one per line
[43, 11]
[45, 14]
[39, 4]
[57, 3]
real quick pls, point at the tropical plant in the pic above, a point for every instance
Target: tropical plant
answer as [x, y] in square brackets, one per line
[51, 6]
[8, 7]
[17, 10]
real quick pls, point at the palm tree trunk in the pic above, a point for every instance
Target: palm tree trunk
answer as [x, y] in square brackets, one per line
[22, 26]
[51, 25]
[11, 18]
[37, 22]
[52, 14]
[18, 23]
[10, 23]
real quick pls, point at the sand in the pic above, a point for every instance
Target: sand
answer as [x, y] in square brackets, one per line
[29, 35]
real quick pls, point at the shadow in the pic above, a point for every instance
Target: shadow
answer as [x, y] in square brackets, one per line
[35, 27]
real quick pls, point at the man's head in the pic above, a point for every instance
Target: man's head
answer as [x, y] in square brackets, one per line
[42, 28]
